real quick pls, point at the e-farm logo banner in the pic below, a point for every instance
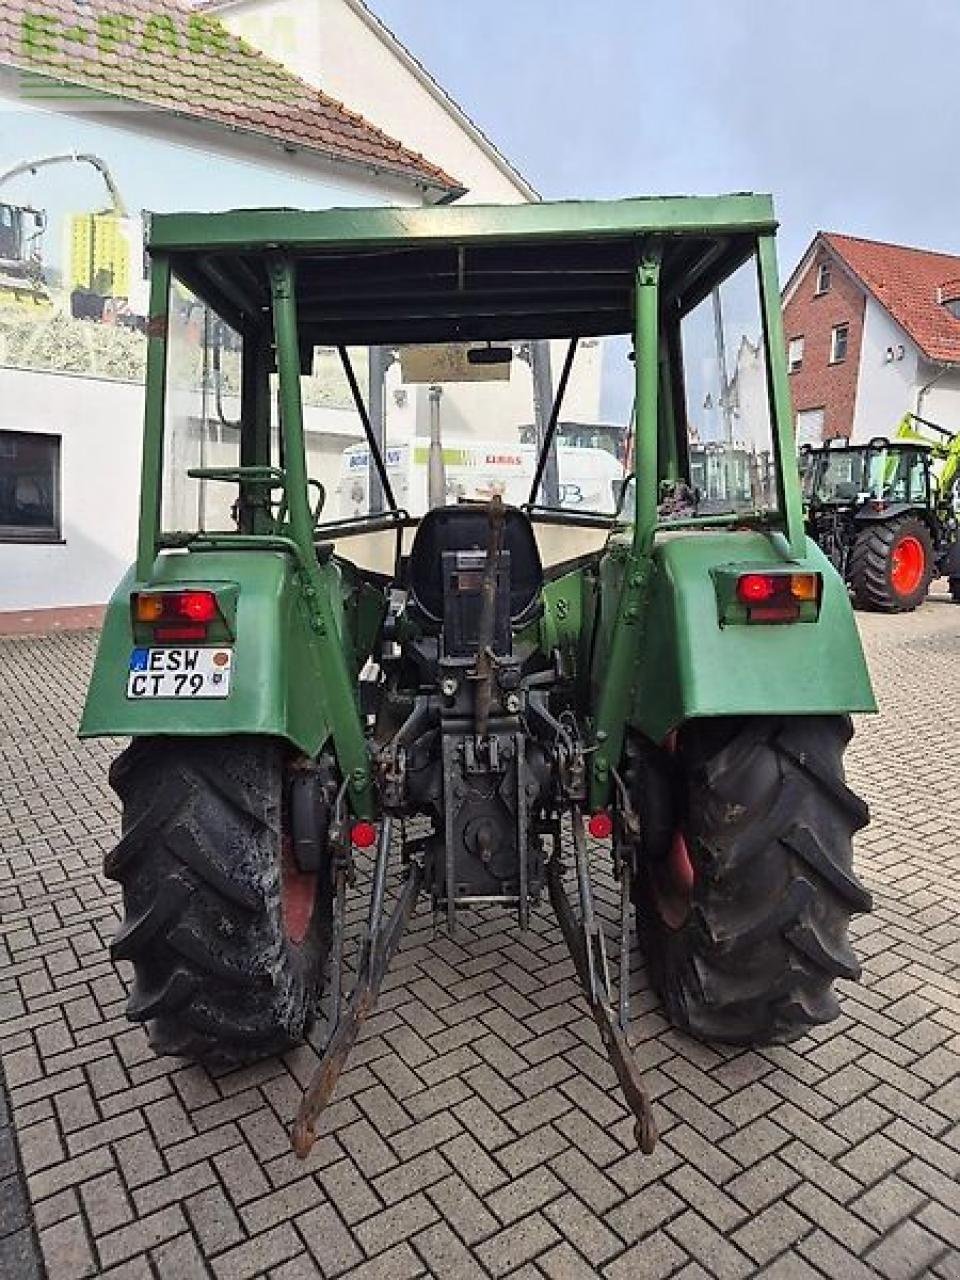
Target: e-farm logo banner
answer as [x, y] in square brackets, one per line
[109, 58]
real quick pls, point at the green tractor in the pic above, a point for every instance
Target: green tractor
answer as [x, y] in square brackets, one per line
[473, 703]
[884, 513]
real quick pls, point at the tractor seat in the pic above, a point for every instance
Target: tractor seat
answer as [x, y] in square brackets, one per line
[467, 528]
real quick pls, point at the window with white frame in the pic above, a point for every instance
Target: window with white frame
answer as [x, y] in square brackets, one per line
[839, 340]
[795, 354]
[824, 278]
[29, 487]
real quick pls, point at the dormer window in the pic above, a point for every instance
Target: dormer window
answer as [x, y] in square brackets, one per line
[824, 278]
[948, 295]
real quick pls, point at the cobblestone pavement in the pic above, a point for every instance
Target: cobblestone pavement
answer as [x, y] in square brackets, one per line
[478, 1131]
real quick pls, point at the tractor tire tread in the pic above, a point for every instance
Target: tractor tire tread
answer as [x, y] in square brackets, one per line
[769, 824]
[199, 865]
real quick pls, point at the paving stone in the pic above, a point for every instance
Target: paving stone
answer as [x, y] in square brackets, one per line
[258, 1255]
[516, 1244]
[106, 1203]
[907, 1251]
[464, 1211]
[446, 1255]
[390, 1226]
[139, 1236]
[66, 1248]
[214, 1220]
[773, 1231]
[331, 1244]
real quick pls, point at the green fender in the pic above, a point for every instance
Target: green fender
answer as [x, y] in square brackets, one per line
[278, 682]
[691, 666]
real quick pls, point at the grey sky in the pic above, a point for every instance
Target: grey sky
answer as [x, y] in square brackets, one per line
[847, 110]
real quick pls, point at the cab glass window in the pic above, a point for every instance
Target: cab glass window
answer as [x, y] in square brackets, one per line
[202, 422]
[729, 422]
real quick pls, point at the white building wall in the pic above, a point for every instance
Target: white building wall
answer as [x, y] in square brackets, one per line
[329, 44]
[98, 421]
[941, 402]
[886, 388]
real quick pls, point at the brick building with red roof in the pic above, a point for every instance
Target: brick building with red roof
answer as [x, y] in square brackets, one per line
[873, 332]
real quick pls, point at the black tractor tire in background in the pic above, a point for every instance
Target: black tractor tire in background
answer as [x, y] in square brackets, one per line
[767, 821]
[202, 861]
[955, 590]
[871, 567]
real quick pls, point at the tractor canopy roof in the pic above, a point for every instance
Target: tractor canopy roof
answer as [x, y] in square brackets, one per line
[412, 275]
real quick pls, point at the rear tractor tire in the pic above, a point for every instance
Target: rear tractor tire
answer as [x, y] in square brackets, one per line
[892, 566]
[228, 939]
[744, 916]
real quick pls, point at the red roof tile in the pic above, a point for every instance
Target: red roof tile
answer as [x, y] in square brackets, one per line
[908, 283]
[163, 53]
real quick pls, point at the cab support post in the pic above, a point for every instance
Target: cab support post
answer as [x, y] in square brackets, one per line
[152, 466]
[317, 584]
[783, 433]
[616, 692]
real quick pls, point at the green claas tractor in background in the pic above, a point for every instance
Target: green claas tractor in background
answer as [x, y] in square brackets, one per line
[885, 512]
[454, 699]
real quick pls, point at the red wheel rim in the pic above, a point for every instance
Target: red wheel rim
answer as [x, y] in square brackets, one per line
[298, 895]
[673, 880]
[673, 883]
[908, 562]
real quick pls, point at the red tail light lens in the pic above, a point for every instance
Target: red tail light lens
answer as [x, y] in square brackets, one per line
[177, 615]
[754, 588]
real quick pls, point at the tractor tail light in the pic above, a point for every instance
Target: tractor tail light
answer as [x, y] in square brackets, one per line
[777, 597]
[176, 615]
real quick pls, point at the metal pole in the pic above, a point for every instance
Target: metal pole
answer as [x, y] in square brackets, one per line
[542, 406]
[375, 454]
[547, 455]
[377, 400]
[436, 472]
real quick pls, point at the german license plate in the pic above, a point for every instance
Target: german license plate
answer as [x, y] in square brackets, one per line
[180, 673]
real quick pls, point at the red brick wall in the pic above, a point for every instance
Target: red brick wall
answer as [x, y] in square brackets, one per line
[820, 384]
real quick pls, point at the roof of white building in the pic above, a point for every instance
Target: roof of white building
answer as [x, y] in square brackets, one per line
[166, 54]
[413, 64]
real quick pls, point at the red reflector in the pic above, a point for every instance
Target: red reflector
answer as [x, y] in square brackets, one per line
[364, 835]
[775, 613]
[172, 635]
[754, 588]
[600, 825]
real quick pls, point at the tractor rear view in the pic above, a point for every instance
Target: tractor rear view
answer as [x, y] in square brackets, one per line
[475, 704]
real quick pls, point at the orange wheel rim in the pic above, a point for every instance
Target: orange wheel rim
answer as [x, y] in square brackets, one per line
[908, 564]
